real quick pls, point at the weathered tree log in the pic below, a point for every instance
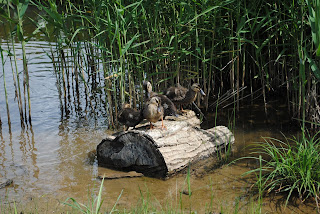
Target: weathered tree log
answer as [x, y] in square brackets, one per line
[160, 153]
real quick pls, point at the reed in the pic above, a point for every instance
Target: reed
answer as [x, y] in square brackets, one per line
[185, 21]
[21, 8]
[7, 17]
[5, 88]
[104, 49]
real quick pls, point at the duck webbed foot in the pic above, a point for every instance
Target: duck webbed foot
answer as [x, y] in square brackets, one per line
[151, 126]
[162, 125]
[182, 110]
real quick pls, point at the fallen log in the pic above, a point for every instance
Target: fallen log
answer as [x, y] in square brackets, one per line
[161, 153]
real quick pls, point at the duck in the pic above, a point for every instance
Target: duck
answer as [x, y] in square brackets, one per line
[153, 111]
[169, 108]
[182, 96]
[129, 117]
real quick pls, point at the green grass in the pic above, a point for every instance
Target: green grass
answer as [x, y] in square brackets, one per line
[291, 167]
[94, 203]
[147, 203]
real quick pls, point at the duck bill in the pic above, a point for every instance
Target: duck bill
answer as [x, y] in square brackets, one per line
[202, 92]
[159, 109]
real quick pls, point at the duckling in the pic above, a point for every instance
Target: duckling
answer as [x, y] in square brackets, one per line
[181, 95]
[129, 117]
[153, 111]
[168, 106]
[148, 89]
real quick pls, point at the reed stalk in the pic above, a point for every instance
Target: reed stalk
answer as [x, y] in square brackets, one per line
[15, 73]
[21, 9]
[5, 88]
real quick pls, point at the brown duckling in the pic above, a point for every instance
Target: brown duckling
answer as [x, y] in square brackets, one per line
[129, 117]
[153, 111]
[168, 106]
[183, 96]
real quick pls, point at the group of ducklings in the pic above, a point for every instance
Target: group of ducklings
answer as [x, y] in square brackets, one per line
[158, 106]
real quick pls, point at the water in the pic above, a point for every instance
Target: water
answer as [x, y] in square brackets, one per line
[54, 159]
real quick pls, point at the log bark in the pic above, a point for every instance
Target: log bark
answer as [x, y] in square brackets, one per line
[161, 153]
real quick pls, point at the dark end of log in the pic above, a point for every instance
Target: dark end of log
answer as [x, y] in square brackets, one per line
[132, 150]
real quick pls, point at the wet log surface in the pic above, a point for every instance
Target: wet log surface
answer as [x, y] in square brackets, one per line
[161, 153]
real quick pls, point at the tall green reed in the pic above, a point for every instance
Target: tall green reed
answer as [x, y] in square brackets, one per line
[221, 44]
[14, 30]
[21, 7]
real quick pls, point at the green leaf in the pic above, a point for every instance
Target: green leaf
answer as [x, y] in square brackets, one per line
[313, 18]
[136, 4]
[22, 7]
[141, 43]
[6, 51]
[204, 12]
[172, 37]
[76, 32]
[40, 25]
[3, 13]
[15, 2]
[54, 15]
[313, 65]
[128, 44]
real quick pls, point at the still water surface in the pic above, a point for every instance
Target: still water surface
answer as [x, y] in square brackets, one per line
[54, 159]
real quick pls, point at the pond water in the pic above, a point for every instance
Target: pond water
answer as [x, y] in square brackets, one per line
[54, 159]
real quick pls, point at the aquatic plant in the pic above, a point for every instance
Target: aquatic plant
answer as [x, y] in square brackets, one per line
[16, 31]
[94, 203]
[132, 40]
[291, 167]
[102, 50]
[5, 89]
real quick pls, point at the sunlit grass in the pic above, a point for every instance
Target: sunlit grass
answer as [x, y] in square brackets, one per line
[291, 167]
[94, 203]
[183, 200]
